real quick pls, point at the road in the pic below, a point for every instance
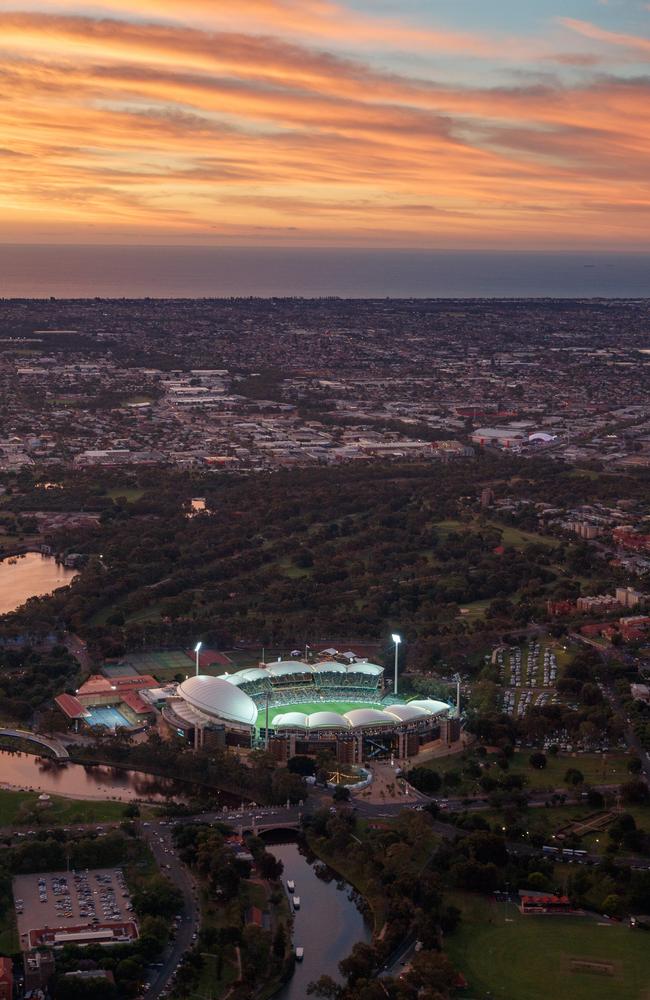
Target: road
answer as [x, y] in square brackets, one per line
[157, 834]
[77, 648]
[631, 738]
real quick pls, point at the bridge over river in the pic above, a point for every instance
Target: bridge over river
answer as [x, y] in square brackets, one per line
[49, 742]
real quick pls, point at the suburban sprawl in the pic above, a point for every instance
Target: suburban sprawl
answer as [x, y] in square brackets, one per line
[324, 649]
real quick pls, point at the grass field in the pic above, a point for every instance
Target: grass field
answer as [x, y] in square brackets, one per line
[308, 707]
[19, 808]
[510, 957]
[129, 493]
[598, 769]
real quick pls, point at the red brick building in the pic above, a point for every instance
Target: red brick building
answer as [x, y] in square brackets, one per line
[6, 979]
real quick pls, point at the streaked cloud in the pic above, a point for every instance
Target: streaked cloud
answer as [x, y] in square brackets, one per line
[304, 123]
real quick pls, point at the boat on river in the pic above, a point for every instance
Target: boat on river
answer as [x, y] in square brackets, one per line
[300, 954]
[296, 902]
[291, 885]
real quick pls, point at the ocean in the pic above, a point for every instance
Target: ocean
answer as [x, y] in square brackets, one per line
[205, 272]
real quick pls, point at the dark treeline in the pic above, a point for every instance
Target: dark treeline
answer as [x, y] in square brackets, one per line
[293, 555]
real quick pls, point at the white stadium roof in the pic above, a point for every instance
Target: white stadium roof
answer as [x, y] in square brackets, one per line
[407, 713]
[431, 705]
[330, 666]
[327, 720]
[283, 667]
[369, 717]
[252, 674]
[215, 697]
[291, 719]
[365, 668]
[357, 717]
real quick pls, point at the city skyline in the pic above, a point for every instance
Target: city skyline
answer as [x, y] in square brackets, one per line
[326, 124]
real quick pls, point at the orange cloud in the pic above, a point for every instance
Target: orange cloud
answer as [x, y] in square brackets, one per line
[633, 42]
[142, 129]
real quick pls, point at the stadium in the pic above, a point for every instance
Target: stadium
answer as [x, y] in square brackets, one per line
[294, 707]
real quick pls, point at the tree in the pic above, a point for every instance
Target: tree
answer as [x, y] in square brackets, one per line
[538, 760]
[360, 963]
[341, 794]
[424, 779]
[635, 793]
[635, 765]
[326, 988]
[279, 942]
[431, 970]
[538, 882]
[302, 765]
[256, 945]
[158, 898]
[573, 777]
[285, 785]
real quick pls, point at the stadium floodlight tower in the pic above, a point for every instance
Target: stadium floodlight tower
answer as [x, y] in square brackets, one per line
[396, 639]
[197, 650]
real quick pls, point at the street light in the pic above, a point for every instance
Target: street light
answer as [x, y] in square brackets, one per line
[197, 650]
[396, 639]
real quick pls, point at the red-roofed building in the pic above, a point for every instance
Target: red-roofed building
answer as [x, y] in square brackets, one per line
[6, 979]
[627, 538]
[136, 704]
[560, 607]
[96, 684]
[254, 916]
[135, 683]
[539, 903]
[70, 706]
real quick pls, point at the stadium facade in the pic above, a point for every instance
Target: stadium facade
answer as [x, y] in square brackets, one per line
[278, 706]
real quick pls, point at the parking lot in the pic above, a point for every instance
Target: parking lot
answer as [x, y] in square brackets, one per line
[88, 898]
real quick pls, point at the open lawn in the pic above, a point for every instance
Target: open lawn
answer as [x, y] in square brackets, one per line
[597, 769]
[518, 539]
[129, 493]
[514, 537]
[510, 957]
[20, 809]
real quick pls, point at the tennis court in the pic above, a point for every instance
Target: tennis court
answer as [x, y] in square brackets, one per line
[106, 715]
[119, 670]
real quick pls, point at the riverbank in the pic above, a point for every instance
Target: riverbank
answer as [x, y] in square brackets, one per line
[153, 772]
[329, 921]
[6, 786]
[26, 772]
[25, 808]
[346, 867]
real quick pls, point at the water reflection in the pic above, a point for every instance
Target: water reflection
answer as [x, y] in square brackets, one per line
[86, 781]
[329, 921]
[30, 575]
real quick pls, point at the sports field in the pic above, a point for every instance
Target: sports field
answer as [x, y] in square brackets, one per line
[506, 956]
[309, 707]
[106, 715]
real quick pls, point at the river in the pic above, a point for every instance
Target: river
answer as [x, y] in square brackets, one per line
[328, 922]
[31, 575]
[20, 770]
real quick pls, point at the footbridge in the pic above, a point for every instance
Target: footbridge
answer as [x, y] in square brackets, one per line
[50, 742]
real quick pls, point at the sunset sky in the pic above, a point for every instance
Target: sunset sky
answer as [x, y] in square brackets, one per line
[517, 123]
